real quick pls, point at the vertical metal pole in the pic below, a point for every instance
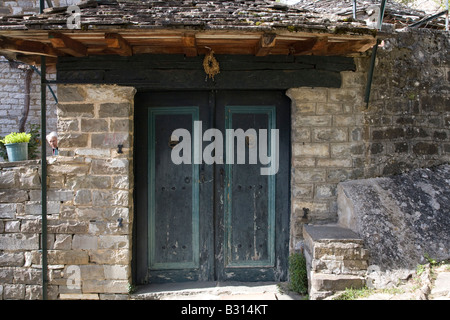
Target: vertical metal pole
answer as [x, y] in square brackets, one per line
[44, 175]
[354, 9]
[446, 16]
[41, 6]
[370, 75]
[380, 19]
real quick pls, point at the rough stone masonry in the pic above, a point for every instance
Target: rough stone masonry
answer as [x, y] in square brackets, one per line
[89, 203]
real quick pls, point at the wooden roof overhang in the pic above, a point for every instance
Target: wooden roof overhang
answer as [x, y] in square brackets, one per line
[29, 45]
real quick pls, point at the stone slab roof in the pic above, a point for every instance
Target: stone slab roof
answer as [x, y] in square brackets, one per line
[222, 14]
[256, 14]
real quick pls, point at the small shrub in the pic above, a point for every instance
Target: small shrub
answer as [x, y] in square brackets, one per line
[15, 137]
[297, 274]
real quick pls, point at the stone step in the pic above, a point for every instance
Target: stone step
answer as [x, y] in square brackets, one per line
[334, 282]
[335, 259]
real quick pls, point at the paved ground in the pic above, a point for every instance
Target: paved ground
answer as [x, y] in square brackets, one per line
[432, 284]
[217, 291]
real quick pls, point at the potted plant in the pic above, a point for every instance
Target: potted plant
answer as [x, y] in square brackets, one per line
[17, 145]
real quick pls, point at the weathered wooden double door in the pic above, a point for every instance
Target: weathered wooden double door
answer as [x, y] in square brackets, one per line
[206, 208]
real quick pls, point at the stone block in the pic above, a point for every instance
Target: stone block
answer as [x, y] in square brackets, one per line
[67, 226]
[312, 121]
[89, 182]
[69, 125]
[70, 93]
[75, 110]
[332, 282]
[8, 196]
[13, 291]
[12, 226]
[35, 208]
[71, 257]
[329, 108]
[68, 168]
[114, 110]
[121, 125]
[105, 286]
[113, 242]
[94, 153]
[72, 140]
[19, 242]
[308, 94]
[84, 242]
[83, 197]
[12, 259]
[110, 256]
[115, 272]
[311, 150]
[330, 134]
[110, 140]
[110, 166]
[335, 163]
[94, 125]
[7, 179]
[30, 179]
[62, 242]
[310, 175]
[6, 275]
[27, 276]
[8, 210]
[424, 148]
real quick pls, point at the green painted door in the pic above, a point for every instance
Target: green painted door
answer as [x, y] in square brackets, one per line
[214, 221]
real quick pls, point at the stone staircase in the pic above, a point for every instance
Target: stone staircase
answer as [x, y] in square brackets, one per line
[335, 258]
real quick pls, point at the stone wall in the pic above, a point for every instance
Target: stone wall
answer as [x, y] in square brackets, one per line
[12, 100]
[336, 138]
[90, 205]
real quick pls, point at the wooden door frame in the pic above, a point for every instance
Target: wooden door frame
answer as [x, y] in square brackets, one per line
[139, 266]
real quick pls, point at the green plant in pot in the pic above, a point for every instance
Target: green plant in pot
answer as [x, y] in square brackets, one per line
[17, 145]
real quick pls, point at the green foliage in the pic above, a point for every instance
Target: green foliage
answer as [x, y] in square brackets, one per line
[353, 294]
[297, 274]
[15, 137]
[35, 142]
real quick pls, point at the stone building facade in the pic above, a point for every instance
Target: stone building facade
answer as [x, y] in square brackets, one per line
[335, 137]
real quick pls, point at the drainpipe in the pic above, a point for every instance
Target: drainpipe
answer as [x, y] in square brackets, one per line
[44, 176]
[370, 75]
[380, 19]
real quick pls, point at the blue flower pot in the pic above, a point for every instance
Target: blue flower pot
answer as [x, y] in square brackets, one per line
[17, 151]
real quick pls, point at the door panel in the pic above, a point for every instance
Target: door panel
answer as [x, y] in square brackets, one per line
[173, 193]
[249, 196]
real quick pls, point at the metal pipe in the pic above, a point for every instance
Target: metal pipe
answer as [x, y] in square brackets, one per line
[41, 6]
[427, 19]
[380, 19]
[44, 177]
[354, 9]
[446, 16]
[370, 75]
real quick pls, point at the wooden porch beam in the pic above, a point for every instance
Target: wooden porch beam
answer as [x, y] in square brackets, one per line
[266, 44]
[68, 45]
[28, 47]
[317, 46]
[118, 44]
[189, 45]
[349, 47]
